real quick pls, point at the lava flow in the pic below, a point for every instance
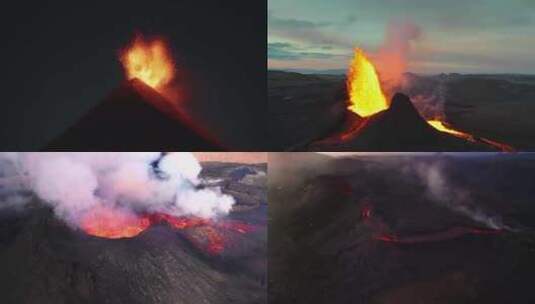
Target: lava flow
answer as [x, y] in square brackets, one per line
[439, 125]
[116, 224]
[451, 233]
[150, 61]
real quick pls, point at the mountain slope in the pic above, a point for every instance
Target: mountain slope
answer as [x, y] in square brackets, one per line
[134, 117]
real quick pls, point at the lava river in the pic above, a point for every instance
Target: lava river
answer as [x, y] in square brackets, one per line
[383, 231]
[448, 234]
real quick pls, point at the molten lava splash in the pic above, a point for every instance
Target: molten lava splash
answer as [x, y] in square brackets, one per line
[208, 235]
[150, 61]
[365, 94]
[113, 224]
[366, 97]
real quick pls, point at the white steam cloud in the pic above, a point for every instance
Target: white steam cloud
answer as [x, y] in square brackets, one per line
[75, 183]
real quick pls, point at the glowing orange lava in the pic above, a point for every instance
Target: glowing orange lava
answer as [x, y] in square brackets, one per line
[439, 125]
[503, 147]
[364, 89]
[208, 235]
[366, 97]
[179, 222]
[448, 234]
[113, 224]
[148, 60]
[236, 226]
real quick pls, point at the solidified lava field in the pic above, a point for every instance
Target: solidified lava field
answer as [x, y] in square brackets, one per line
[44, 261]
[424, 228]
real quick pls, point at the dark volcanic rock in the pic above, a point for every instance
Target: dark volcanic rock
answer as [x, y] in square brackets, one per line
[308, 108]
[50, 263]
[134, 117]
[303, 107]
[324, 248]
[399, 128]
[45, 261]
[244, 182]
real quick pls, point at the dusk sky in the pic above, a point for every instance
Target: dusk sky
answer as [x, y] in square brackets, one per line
[477, 36]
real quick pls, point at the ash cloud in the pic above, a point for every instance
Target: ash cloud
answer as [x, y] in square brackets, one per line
[74, 184]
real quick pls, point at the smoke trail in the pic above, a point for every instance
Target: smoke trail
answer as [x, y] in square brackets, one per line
[76, 183]
[441, 190]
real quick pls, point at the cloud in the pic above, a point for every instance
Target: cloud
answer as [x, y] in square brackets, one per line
[288, 51]
[289, 24]
[308, 32]
[478, 36]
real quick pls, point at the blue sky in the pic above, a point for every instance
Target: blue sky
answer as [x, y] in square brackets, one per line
[477, 36]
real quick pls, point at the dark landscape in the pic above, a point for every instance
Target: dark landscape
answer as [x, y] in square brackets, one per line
[64, 60]
[305, 108]
[45, 261]
[142, 118]
[402, 228]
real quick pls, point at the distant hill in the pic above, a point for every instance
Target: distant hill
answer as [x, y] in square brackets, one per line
[318, 72]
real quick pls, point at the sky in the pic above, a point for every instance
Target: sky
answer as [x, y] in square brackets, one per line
[476, 36]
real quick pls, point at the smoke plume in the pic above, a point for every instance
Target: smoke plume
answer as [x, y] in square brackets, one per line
[392, 60]
[392, 57]
[442, 190]
[428, 99]
[74, 184]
